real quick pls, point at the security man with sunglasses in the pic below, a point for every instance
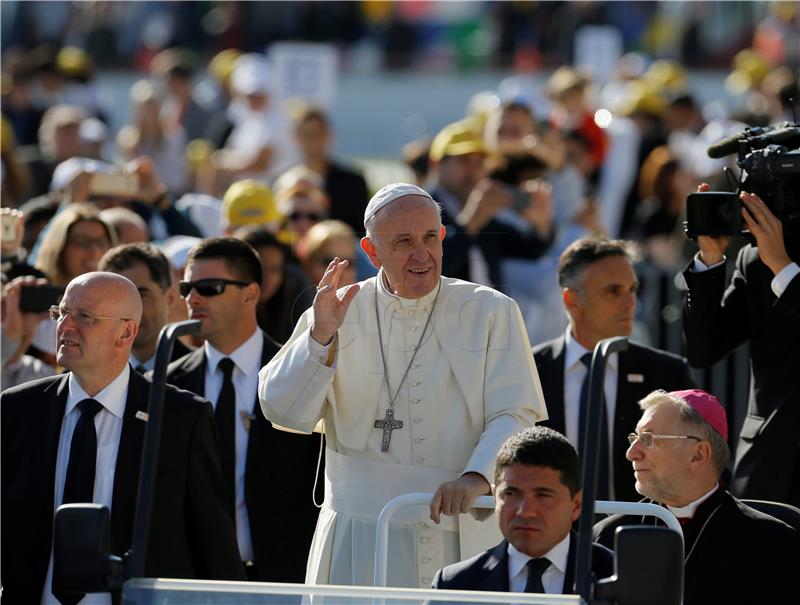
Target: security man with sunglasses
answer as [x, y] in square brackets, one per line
[733, 553]
[270, 475]
[78, 437]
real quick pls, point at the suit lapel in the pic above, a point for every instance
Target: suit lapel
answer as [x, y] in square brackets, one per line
[191, 374]
[126, 474]
[569, 573]
[56, 401]
[495, 569]
[552, 376]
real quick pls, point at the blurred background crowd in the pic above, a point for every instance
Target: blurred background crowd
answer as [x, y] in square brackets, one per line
[275, 121]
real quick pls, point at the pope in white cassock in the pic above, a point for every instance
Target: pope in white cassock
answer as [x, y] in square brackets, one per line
[461, 380]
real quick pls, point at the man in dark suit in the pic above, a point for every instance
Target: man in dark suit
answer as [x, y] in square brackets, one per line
[599, 292]
[761, 305]
[270, 474]
[476, 241]
[149, 270]
[78, 437]
[733, 553]
[537, 487]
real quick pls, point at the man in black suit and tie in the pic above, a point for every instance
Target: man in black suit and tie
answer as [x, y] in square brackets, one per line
[599, 292]
[270, 475]
[78, 437]
[537, 490]
[150, 271]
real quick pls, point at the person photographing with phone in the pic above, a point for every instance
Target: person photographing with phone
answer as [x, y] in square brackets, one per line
[760, 305]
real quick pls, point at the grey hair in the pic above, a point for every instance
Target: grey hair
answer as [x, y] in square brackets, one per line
[386, 210]
[694, 423]
[574, 261]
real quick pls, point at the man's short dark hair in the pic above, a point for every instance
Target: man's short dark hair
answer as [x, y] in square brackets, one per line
[583, 252]
[240, 257]
[124, 257]
[542, 446]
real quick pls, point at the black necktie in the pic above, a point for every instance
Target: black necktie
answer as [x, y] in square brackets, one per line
[79, 483]
[225, 415]
[536, 567]
[602, 467]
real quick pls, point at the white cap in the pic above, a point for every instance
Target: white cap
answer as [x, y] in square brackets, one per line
[204, 210]
[67, 170]
[251, 74]
[176, 249]
[389, 193]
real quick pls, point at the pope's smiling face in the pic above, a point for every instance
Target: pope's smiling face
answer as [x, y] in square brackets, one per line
[406, 242]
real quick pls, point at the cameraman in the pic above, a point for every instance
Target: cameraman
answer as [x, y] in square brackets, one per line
[762, 305]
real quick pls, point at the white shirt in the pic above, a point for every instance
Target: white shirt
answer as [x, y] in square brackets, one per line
[553, 576]
[247, 361]
[145, 365]
[778, 284]
[574, 374]
[108, 424]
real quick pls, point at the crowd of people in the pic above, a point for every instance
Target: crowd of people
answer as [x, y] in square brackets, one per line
[430, 337]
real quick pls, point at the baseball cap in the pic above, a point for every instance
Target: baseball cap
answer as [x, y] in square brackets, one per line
[249, 202]
[458, 138]
[67, 170]
[707, 406]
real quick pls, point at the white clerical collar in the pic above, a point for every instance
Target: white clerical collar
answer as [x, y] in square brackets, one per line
[556, 555]
[575, 350]
[112, 397]
[247, 357]
[390, 298]
[688, 511]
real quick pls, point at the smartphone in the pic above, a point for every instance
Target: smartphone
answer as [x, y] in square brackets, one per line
[38, 299]
[8, 224]
[520, 199]
[114, 184]
[713, 213]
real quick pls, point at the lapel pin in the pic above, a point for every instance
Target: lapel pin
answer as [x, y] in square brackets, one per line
[635, 378]
[143, 416]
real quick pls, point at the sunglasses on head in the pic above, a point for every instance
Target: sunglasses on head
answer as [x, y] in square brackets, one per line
[209, 287]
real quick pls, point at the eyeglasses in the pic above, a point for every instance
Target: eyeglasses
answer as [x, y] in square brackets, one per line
[296, 216]
[84, 318]
[647, 439]
[209, 287]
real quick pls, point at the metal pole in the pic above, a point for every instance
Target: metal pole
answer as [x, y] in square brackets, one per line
[591, 434]
[147, 470]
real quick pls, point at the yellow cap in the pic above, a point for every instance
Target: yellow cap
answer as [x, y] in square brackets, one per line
[221, 66]
[249, 202]
[639, 97]
[665, 74]
[74, 62]
[458, 138]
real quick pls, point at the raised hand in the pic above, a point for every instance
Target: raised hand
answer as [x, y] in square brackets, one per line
[768, 231]
[329, 310]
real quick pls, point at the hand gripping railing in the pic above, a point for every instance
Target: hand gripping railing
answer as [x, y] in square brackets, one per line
[601, 506]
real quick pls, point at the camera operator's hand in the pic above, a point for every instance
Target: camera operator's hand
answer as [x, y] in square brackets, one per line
[712, 248]
[485, 200]
[767, 230]
[539, 212]
[19, 326]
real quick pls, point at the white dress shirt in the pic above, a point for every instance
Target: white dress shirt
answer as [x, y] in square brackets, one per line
[146, 366]
[553, 576]
[574, 374]
[247, 360]
[108, 424]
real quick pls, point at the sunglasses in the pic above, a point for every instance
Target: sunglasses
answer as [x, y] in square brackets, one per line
[296, 216]
[209, 287]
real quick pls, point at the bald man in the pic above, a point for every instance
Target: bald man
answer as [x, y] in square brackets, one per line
[78, 437]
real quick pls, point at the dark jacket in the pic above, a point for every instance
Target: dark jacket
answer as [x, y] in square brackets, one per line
[734, 554]
[716, 321]
[191, 533]
[348, 194]
[489, 569]
[657, 369]
[280, 472]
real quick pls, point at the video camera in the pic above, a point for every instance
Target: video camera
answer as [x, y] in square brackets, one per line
[769, 160]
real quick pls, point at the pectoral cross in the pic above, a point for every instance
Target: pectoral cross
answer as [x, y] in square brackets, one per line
[388, 424]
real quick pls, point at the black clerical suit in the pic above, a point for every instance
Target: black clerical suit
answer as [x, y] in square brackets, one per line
[496, 241]
[716, 321]
[733, 553]
[489, 569]
[641, 370]
[278, 481]
[191, 533]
